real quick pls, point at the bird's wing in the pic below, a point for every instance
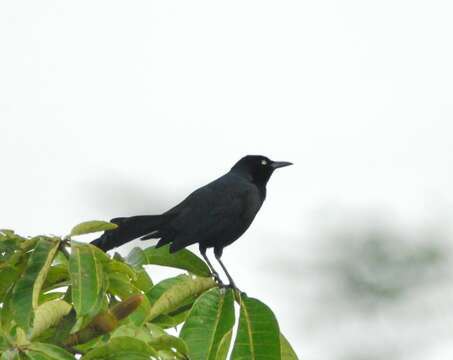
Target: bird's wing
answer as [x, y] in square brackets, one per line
[222, 209]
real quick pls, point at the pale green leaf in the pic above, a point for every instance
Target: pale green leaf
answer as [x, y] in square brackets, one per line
[91, 227]
[49, 314]
[287, 352]
[182, 288]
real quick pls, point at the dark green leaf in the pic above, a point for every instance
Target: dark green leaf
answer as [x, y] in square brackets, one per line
[8, 276]
[10, 245]
[25, 294]
[258, 335]
[63, 329]
[211, 317]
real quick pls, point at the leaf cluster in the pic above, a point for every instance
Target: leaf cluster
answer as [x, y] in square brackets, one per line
[62, 299]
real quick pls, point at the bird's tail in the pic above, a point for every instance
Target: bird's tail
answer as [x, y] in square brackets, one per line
[129, 228]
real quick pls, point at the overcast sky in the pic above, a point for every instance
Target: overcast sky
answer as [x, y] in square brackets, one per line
[111, 108]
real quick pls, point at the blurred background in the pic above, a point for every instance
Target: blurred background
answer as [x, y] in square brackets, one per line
[114, 108]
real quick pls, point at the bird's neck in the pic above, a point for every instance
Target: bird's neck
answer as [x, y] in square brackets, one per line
[260, 182]
[262, 190]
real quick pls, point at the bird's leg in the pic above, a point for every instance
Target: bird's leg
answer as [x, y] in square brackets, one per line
[214, 273]
[218, 254]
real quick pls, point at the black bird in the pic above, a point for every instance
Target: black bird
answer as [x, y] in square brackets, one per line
[215, 215]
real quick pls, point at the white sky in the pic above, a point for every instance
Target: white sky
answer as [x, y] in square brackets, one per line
[113, 108]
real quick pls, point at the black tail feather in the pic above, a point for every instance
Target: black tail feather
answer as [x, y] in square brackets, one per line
[129, 228]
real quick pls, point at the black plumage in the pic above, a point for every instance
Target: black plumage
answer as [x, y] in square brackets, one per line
[214, 215]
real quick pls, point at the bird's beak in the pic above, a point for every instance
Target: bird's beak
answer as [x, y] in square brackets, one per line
[280, 164]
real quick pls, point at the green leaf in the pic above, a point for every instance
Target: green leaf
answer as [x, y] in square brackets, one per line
[50, 296]
[87, 279]
[8, 276]
[56, 274]
[143, 281]
[211, 317]
[120, 267]
[4, 344]
[224, 346]
[91, 344]
[165, 299]
[63, 328]
[168, 342]
[157, 290]
[120, 285]
[121, 348]
[38, 351]
[174, 318]
[60, 259]
[89, 227]
[10, 355]
[10, 246]
[49, 314]
[258, 335]
[154, 330]
[182, 259]
[133, 331]
[25, 294]
[287, 352]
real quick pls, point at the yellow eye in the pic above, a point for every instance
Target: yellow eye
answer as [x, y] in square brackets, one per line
[263, 162]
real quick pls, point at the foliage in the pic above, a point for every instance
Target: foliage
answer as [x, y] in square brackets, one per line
[62, 299]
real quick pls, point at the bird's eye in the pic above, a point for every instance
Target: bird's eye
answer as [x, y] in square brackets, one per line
[263, 162]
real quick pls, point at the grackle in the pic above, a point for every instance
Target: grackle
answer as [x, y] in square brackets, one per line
[215, 215]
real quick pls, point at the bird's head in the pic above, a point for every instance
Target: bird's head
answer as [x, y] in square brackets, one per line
[258, 168]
